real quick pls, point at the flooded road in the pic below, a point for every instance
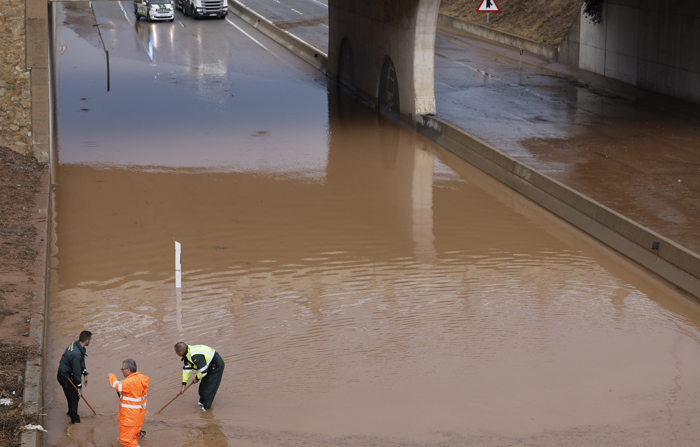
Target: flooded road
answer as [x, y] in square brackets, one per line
[364, 286]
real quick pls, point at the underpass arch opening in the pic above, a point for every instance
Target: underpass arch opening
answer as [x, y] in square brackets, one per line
[388, 95]
[346, 66]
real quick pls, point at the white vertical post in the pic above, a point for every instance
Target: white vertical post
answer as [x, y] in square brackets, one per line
[178, 309]
[178, 266]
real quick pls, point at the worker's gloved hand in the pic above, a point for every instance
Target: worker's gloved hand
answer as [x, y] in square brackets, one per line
[182, 389]
[80, 392]
[195, 380]
[85, 380]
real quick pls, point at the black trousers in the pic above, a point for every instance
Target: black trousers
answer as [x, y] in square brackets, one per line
[210, 383]
[71, 396]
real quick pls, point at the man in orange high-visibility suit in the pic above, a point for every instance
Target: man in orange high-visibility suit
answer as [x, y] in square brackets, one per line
[132, 392]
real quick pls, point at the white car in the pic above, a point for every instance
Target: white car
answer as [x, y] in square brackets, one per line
[155, 10]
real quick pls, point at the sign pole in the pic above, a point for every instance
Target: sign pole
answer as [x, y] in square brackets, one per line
[487, 17]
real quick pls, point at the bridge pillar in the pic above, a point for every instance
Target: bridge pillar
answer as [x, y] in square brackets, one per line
[384, 50]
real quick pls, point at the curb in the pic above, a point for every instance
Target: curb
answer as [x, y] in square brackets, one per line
[297, 46]
[33, 399]
[670, 261]
[512, 40]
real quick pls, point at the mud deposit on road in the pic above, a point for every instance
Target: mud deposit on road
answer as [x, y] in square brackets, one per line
[652, 164]
[363, 286]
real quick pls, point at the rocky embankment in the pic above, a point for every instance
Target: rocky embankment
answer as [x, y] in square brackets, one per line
[15, 93]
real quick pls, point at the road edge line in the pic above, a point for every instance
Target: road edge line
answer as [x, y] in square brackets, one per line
[291, 42]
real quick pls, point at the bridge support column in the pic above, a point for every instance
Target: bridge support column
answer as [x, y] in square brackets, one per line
[384, 50]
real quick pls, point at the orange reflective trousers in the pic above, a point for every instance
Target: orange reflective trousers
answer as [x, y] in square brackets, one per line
[133, 392]
[129, 436]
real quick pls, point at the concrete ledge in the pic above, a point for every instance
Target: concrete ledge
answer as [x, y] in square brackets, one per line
[487, 33]
[297, 46]
[32, 386]
[674, 263]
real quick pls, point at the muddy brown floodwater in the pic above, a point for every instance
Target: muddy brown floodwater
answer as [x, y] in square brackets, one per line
[364, 286]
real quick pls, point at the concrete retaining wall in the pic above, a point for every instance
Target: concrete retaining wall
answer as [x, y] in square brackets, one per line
[297, 46]
[493, 35]
[653, 45]
[671, 262]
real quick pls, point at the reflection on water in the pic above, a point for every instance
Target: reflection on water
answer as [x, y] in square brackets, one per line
[364, 286]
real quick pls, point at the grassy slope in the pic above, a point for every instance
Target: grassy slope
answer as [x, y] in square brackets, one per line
[545, 21]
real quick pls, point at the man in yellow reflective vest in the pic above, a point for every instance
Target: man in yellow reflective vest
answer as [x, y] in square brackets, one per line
[132, 392]
[209, 367]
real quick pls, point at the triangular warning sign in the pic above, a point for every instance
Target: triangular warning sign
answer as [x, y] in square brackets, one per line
[488, 6]
[63, 49]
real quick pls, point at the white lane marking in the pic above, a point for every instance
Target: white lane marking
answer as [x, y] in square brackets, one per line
[181, 24]
[295, 11]
[446, 85]
[322, 4]
[289, 64]
[251, 37]
[323, 24]
[128, 19]
[512, 84]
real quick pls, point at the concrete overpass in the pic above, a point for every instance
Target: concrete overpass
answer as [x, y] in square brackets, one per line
[385, 50]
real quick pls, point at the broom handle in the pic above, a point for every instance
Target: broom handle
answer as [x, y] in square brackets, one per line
[176, 396]
[81, 395]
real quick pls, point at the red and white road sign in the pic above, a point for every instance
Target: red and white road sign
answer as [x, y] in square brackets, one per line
[488, 6]
[63, 49]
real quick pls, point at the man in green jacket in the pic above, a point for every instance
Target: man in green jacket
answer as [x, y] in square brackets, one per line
[209, 367]
[72, 368]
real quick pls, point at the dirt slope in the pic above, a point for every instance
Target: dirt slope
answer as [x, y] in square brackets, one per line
[545, 21]
[22, 180]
